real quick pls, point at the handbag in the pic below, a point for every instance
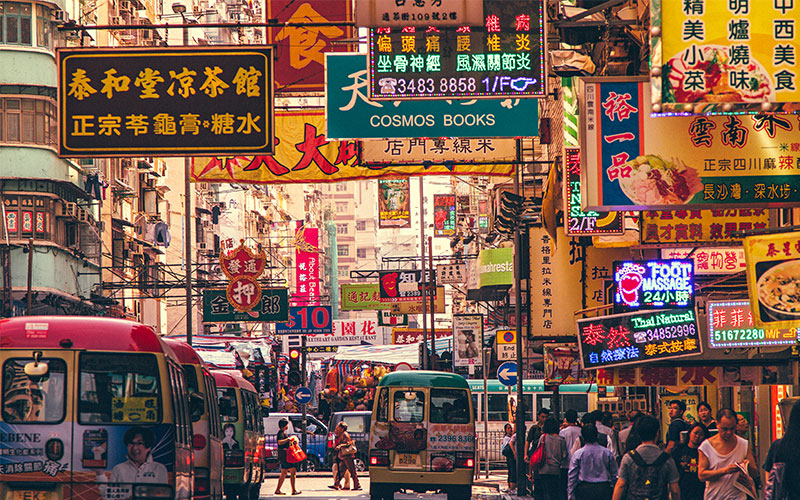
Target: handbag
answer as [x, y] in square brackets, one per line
[507, 451]
[775, 488]
[348, 450]
[538, 457]
[295, 454]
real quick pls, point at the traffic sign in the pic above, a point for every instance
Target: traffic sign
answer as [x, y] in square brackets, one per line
[506, 345]
[507, 373]
[302, 395]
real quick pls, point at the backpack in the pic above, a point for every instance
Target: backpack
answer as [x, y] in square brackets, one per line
[775, 488]
[647, 482]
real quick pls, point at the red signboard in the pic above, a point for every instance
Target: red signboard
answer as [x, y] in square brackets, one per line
[306, 266]
[243, 267]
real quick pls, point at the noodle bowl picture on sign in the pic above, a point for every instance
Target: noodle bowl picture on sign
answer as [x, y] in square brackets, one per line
[773, 279]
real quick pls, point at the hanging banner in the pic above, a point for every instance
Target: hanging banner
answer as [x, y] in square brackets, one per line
[632, 161]
[300, 50]
[438, 150]
[773, 279]
[467, 339]
[306, 242]
[722, 56]
[576, 221]
[444, 215]
[713, 260]
[696, 226]
[730, 324]
[352, 115]
[554, 268]
[360, 297]
[394, 204]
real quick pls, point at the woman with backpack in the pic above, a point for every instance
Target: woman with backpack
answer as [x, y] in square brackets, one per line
[783, 462]
[551, 481]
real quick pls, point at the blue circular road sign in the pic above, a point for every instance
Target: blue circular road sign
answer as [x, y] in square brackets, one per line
[507, 373]
[302, 395]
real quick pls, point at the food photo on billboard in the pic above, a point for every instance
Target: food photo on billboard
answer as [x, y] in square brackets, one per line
[773, 279]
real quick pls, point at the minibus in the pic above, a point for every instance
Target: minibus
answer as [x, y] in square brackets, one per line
[91, 408]
[422, 435]
[206, 429]
[242, 436]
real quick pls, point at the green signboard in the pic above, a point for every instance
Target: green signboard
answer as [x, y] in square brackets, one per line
[361, 296]
[496, 267]
[273, 307]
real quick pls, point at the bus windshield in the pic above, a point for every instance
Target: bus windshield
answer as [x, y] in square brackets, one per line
[119, 388]
[228, 410]
[34, 399]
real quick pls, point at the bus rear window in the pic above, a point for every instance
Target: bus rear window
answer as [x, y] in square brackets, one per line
[34, 399]
[119, 388]
[409, 406]
[449, 406]
[228, 409]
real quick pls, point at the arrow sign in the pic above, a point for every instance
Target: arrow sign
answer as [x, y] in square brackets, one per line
[507, 373]
[303, 395]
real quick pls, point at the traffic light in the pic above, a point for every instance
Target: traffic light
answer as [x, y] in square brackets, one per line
[294, 377]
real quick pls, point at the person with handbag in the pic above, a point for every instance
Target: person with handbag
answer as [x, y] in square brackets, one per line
[508, 451]
[284, 442]
[345, 453]
[552, 473]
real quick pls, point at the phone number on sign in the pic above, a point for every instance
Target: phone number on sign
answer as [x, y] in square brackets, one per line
[744, 334]
[666, 332]
[431, 86]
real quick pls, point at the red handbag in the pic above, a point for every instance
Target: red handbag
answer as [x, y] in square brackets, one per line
[295, 454]
[538, 457]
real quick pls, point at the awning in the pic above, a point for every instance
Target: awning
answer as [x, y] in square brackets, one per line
[122, 222]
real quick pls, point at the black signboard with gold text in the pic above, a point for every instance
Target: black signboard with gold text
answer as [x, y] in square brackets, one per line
[166, 102]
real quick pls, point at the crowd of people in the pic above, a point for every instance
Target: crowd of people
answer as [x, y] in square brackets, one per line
[704, 459]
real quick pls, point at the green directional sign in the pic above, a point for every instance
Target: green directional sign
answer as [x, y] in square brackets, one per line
[273, 306]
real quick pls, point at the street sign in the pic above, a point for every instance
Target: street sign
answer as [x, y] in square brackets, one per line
[306, 320]
[302, 395]
[506, 345]
[272, 306]
[451, 274]
[320, 348]
[507, 373]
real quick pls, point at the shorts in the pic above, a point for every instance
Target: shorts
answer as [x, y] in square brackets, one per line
[286, 465]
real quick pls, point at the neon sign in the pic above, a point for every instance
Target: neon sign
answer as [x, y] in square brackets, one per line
[730, 324]
[653, 284]
[504, 57]
[637, 337]
[444, 214]
[579, 222]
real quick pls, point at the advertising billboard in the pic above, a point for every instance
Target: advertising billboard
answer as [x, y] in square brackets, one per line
[394, 205]
[444, 214]
[773, 279]
[649, 284]
[467, 339]
[730, 324]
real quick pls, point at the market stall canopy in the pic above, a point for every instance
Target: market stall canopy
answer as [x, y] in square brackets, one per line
[215, 349]
[390, 354]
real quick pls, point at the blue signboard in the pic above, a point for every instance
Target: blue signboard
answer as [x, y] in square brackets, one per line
[307, 320]
[302, 395]
[648, 284]
[351, 115]
[507, 373]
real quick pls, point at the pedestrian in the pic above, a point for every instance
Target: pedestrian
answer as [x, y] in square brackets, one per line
[628, 437]
[602, 439]
[606, 426]
[592, 469]
[344, 457]
[676, 425]
[284, 441]
[706, 416]
[647, 472]
[686, 458]
[784, 451]
[533, 436]
[720, 457]
[570, 432]
[551, 482]
[508, 450]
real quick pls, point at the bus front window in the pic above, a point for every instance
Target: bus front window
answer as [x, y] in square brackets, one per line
[119, 388]
[33, 399]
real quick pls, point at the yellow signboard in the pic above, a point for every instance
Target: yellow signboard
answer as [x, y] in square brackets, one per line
[415, 307]
[681, 226]
[304, 154]
[773, 279]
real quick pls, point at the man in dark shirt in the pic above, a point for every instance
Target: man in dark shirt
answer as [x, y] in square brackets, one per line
[535, 432]
[677, 424]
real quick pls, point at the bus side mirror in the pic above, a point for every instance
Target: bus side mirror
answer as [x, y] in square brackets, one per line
[197, 406]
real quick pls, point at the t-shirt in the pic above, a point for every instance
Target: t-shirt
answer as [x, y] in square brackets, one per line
[282, 447]
[649, 453]
[724, 487]
[675, 428]
[686, 460]
[570, 434]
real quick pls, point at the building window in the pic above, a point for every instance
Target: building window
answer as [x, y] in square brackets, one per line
[361, 253]
[341, 206]
[16, 23]
[344, 272]
[43, 26]
[341, 228]
[341, 186]
[28, 121]
[361, 225]
[342, 250]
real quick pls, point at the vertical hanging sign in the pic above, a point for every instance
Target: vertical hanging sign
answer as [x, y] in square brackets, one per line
[306, 240]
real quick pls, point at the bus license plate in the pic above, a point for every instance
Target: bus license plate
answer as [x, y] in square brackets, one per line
[31, 495]
[407, 460]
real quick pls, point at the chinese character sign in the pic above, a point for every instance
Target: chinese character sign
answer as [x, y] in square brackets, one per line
[306, 240]
[710, 260]
[414, 335]
[379, 13]
[348, 332]
[505, 57]
[638, 337]
[300, 50]
[773, 279]
[554, 268]
[444, 215]
[401, 285]
[577, 221]
[242, 266]
[694, 226]
[725, 51]
[394, 205]
[467, 339]
[165, 102]
[440, 150]
[631, 160]
[273, 306]
[361, 296]
[730, 324]
[562, 365]
[653, 284]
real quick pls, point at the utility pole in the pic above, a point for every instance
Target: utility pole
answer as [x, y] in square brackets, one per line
[303, 355]
[432, 287]
[522, 485]
[30, 277]
[425, 359]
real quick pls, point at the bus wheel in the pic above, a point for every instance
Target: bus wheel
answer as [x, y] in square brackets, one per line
[459, 492]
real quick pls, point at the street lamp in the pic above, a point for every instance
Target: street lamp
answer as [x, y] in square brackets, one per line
[179, 8]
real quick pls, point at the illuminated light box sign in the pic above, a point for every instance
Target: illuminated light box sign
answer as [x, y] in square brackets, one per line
[444, 214]
[579, 222]
[638, 337]
[648, 284]
[503, 57]
[730, 324]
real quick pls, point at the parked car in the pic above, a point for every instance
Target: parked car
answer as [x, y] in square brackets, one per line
[358, 424]
[271, 463]
[316, 433]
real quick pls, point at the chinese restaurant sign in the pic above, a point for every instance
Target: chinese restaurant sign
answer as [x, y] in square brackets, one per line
[300, 50]
[360, 296]
[379, 13]
[394, 205]
[631, 161]
[773, 279]
[730, 324]
[444, 214]
[710, 260]
[638, 337]
[695, 226]
[401, 286]
[273, 306]
[648, 284]
[578, 222]
[725, 55]
[306, 242]
[505, 57]
[441, 150]
[351, 115]
[348, 332]
[242, 266]
[165, 102]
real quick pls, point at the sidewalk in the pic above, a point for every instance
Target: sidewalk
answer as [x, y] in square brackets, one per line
[493, 488]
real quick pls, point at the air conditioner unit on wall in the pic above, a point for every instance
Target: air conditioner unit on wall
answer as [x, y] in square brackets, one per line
[60, 16]
[70, 209]
[83, 215]
[202, 246]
